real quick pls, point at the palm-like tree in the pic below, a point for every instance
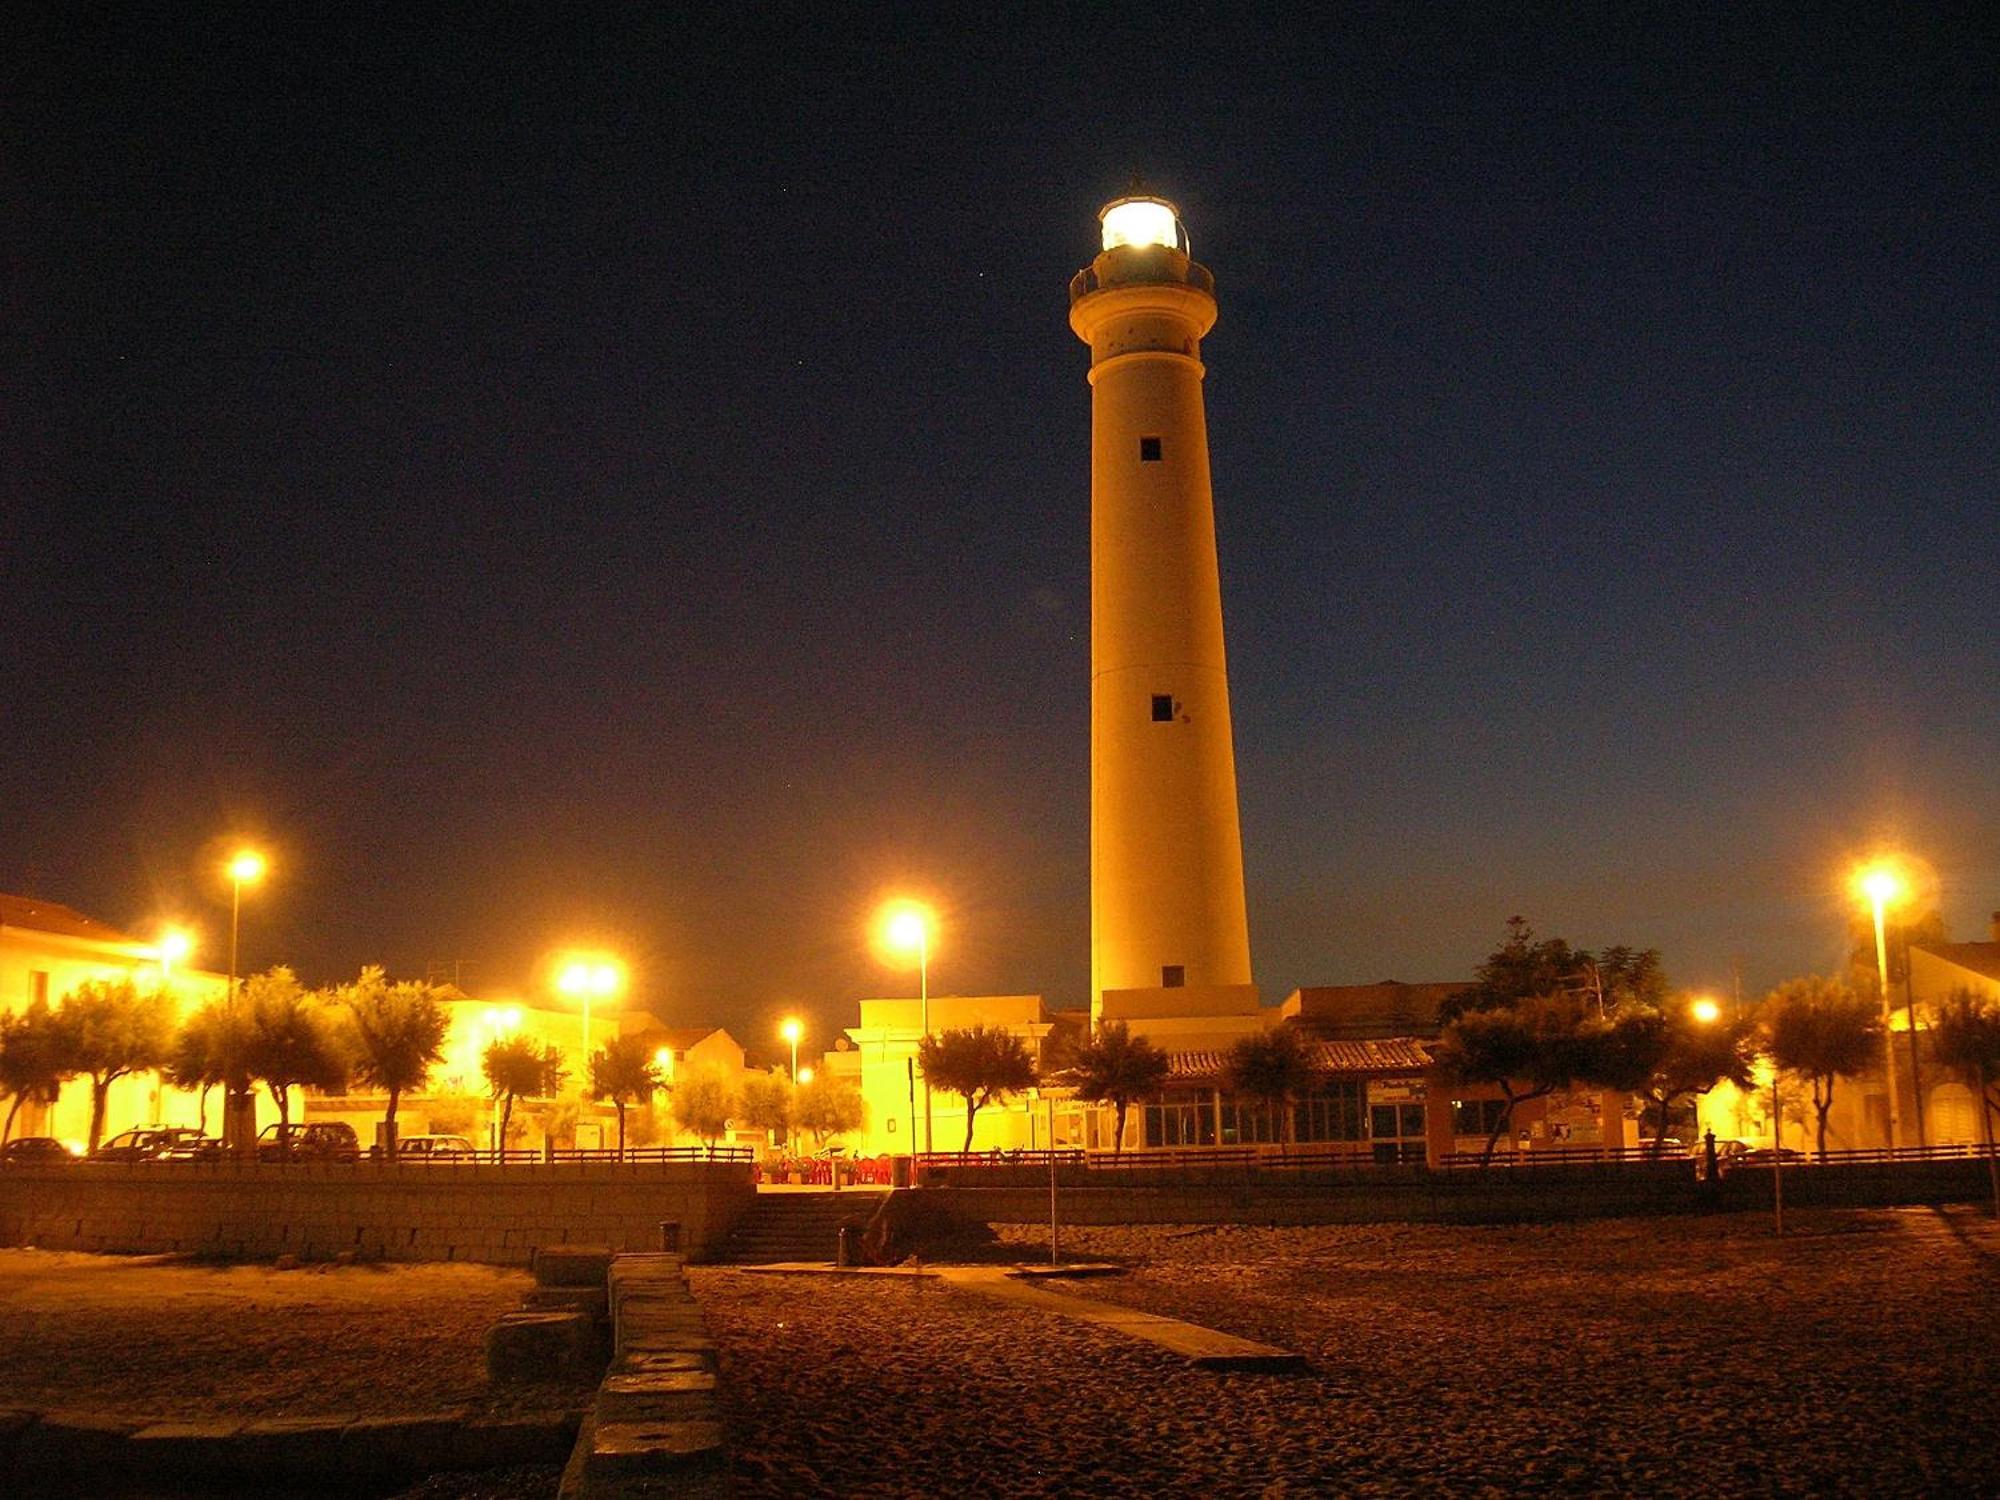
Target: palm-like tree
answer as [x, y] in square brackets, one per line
[1273, 1067]
[1114, 1067]
[623, 1071]
[519, 1068]
[981, 1064]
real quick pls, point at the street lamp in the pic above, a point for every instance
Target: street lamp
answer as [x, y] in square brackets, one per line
[1880, 884]
[587, 977]
[906, 927]
[174, 946]
[1705, 1010]
[805, 1075]
[246, 868]
[791, 1031]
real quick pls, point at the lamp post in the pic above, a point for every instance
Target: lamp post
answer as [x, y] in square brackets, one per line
[791, 1031]
[1881, 885]
[907, 926]
[247, 868]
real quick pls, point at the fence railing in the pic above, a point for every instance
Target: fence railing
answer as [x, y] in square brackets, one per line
[442, 1160]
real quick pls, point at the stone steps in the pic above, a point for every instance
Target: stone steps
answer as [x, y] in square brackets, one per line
[797, 1226]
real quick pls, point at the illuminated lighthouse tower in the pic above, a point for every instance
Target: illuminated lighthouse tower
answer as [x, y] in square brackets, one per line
[1166, 851]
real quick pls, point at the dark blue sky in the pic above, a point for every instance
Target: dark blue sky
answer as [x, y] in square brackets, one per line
[629, 477]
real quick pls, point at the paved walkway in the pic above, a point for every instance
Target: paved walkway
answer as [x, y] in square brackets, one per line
[1205, 1348]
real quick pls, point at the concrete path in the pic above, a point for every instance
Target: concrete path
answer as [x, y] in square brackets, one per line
[1202, 1347]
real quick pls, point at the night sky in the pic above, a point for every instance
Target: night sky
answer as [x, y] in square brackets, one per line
[627, 479]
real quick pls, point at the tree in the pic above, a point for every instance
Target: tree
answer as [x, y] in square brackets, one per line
[1967, 1036]
[765, 1103]
[107, 1030]
[1821, 1030]
[1527, 1050]
[33, 1061]
[827, 1107]
[1525, 967]
[518, 1067]
[703, 1103]
[623, 1071]
[1114, 1067]
[399, 1031]
[1664, 1056]
[981, 1064]
[208, 1052]
[292, 1038]
[1273, 1067]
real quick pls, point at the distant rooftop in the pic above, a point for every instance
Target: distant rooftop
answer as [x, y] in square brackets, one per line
[1980, 958]
[1397, 1055]
[35, 915]
[1388, 1008]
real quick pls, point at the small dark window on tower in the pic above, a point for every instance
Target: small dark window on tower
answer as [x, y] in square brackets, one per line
[1173, 976]
[1163, 708]
[1149, 450]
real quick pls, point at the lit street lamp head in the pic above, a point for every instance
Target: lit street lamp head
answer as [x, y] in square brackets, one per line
[247, 867]
[590, 976]
[907, 926]
[1880, 884]
[175, 946]
[792, 1030]
[1705, 1010]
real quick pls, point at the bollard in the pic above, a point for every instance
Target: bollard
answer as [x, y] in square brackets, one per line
[843, 1253]
[670, 1235]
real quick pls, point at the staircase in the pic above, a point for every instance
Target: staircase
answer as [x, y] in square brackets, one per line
[797, 1226]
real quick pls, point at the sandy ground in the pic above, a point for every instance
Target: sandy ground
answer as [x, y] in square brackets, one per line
[163, 1337]
[1676, 1356]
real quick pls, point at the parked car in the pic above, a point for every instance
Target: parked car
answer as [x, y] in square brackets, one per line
[438, 1148]
[37, 1151]
[195, 1147]
[1763, 1156]
[145, 1143]
[321, 1140]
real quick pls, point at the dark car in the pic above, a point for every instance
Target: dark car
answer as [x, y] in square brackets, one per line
[195, 1146]
[36, 1151]
[322, 1140]
[147, 1143]
[1764, 1156]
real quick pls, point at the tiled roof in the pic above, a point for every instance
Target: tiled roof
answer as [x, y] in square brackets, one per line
[1400, 1054]
[46, 916]
[1980, 958]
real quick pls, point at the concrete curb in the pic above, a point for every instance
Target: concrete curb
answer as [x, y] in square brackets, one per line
[76, 1451]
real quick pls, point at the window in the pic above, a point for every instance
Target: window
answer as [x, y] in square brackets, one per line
[1173, 976]
[38, 986]
[1331, 1112]
[1149, 450]
[1476, 1116]
[1180, 1117]
[1163, 708]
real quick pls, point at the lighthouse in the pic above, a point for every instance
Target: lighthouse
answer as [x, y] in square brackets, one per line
[1166, 847]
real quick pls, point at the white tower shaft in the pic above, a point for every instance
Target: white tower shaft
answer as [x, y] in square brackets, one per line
[1167, 904]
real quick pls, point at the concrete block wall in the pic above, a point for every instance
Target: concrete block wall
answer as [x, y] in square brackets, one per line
[379, 1210]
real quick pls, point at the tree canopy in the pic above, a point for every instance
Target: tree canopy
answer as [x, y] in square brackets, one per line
[1967, 1038]
[1525, 967]
[1664, 1056]
[107, 1029]
[1273, 1067]
[623, 1071]
[33, 1060]
[519, 1067]
[293, 1038]
[1821, 1030]
[399, 1032]
[827, 1107]
[703, 1102]
[1527, 1050]
[1114, 1067]
[764, 1102]
[981, 1064]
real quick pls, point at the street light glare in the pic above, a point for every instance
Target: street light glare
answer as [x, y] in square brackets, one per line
[175, 945]
[1705, 1010]
[792, 1030]
[1880, 884]
[805, 1075]
[247, 867]
[907, 925]
[593, 977]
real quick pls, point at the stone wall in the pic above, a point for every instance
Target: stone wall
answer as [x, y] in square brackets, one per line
[378, 1210]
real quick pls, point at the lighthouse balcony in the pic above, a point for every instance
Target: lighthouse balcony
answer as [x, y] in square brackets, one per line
[1135, 266]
